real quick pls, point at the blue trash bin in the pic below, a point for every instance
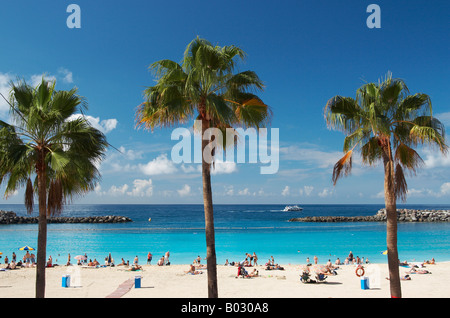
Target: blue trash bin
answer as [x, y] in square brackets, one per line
[137, 282]
[364, 282]
[66, 281]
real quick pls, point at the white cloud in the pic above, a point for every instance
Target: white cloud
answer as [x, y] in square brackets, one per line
[326, 192]
[285, 191]
[435, 159]
[229, 190]
[320, 158]
[67, 75]
[4, 90]
[105, 126]
[159, 165]
[444, 190]
[108, 124]
[141, 188]
[246, 191]
[121, 190]
[185, 191]
[37, 79]
[191, 168]
[130, 154]
[221, 167]
[307, 190]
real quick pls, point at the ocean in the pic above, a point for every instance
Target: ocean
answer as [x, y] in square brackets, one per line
[240, 229]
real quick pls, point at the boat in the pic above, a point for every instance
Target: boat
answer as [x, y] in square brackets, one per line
[290, 208]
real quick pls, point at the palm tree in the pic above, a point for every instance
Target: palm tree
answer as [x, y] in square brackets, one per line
[43, 142]
[384, 122]
[204, 86]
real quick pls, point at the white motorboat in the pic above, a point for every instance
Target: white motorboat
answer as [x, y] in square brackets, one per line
[290, 208]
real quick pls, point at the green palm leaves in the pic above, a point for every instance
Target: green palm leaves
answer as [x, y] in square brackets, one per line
[204, 85]
[44, 137]
[384, 121]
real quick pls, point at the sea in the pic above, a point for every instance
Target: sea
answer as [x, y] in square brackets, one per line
[239, 229]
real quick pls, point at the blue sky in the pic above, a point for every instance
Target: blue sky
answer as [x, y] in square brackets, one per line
[305, 51]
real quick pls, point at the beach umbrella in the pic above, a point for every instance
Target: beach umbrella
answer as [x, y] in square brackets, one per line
[80, 257]
[26, 248]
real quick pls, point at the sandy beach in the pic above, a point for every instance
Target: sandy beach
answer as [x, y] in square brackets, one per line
[173, 282]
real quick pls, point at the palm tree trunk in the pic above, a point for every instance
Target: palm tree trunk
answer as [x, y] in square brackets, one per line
[391, 224]
[42, 234]
[209, 220]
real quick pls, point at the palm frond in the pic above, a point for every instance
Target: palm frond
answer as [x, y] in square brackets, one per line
[401, 187]
[371, 151]
[408, 158]
[29, 196]
[343, 167]
[342, 113]
[428, 130]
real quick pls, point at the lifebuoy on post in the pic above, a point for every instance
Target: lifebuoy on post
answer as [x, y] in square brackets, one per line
[360, 271]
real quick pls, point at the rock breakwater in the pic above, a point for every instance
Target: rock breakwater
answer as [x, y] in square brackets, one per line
[9, 217]
[403, 215]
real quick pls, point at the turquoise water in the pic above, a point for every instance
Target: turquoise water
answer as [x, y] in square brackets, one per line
[240, 229]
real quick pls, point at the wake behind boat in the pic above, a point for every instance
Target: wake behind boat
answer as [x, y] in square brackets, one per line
[290, 208]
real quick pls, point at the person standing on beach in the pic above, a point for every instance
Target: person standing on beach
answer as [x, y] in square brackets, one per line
[14, 256]
[149, 258]
[136, 261]
[166, 258]
[315, 259]
[255, 259]
[350, 256]
[27, 257]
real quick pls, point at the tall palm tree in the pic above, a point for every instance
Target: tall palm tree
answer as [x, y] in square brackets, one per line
[384, 122]
[52, 155]
[204, 87]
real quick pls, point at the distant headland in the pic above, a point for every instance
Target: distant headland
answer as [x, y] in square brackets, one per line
[10, 217]
[403, 215]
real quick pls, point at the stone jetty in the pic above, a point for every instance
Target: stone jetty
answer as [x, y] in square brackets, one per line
[9, 217]
[403, 215]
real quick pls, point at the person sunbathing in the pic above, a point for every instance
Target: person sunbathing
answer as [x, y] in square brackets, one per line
[254, 273]
[420, 271]
[406, 277]
[192, 270]
[135, 267]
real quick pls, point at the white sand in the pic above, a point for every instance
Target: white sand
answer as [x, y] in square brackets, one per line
[172, 282]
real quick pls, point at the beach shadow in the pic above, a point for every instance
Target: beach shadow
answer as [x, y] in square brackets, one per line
[333, 283]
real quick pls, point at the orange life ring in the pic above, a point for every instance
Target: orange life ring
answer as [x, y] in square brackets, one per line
[360, 271]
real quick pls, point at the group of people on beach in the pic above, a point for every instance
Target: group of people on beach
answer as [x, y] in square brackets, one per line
[28, 260]
[349, 260]
[163, 261]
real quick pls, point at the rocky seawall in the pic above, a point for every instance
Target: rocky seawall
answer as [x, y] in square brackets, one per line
[403, 215]
[9, 217]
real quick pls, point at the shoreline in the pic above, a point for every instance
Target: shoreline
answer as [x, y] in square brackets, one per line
[173, 282]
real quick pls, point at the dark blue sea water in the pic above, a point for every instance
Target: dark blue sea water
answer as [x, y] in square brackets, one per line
[240, 229]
